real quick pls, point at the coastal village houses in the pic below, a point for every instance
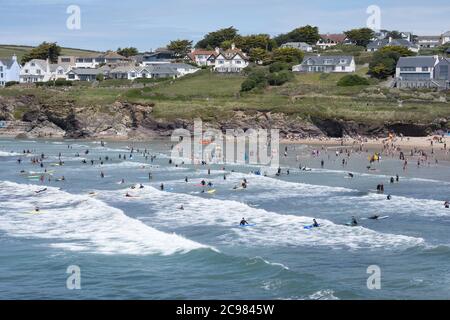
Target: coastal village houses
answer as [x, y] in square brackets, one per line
[9, 70]
[326, 64]
[423, 72]
[378, 44]
[330, 40]
[302, 46]
[230, 61]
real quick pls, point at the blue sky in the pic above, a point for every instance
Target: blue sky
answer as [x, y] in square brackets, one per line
[148, 24]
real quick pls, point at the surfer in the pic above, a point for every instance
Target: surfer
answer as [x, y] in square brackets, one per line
[243, 222]
[161, 187]
[315, 224]
[181, 207]
[351, 175]
[141, 186]
[447, 204]
[374, 217]
[354, 222]
[389, 197]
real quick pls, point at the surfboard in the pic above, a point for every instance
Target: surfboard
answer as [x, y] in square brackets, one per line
[311, 227]
[247, 225]
[211, 191]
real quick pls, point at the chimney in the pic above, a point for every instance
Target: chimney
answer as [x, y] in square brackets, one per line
[390, 39]
[14, 57]
[233, 46]
[48, 65]
[217, 50]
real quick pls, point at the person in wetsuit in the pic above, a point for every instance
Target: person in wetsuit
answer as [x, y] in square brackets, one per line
[243, 222]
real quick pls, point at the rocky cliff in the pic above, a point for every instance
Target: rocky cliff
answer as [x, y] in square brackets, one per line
[27, 117]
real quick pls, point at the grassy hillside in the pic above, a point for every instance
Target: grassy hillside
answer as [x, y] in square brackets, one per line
[215, 97]
[6, 51]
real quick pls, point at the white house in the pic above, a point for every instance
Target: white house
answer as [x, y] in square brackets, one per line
[184, 68]
[202, 57]
[230, 61]
[94, 60]
[378, 44]
[35, 70]
[83, 74]
[445, 38]
[428, 41]
[59, 71]
[416, 72]
[326, 64]
[330, 40]
[9, 70]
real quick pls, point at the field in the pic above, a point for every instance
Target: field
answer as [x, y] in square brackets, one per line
[6, 51]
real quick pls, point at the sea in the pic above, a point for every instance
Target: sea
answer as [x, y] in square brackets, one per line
[89, 240]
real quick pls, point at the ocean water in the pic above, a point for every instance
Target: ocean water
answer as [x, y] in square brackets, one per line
[145, 247]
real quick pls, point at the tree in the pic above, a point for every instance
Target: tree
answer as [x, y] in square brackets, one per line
[180, 47]
[255, 41]
[308, 34]
[402, 51]
[362, 36]
[394, 34]
[128, 52]
[46, 50]
[215, 39]
[258, 55]
[384, 61]
[288, 55]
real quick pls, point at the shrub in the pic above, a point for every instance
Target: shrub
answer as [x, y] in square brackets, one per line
[248, 84]
[280, 78]
[352, 80]
[278, 66]
[11, 83]
[61, 83]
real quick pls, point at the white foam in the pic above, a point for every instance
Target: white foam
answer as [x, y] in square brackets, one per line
[272, 229]
[9, 154]
[80, 223]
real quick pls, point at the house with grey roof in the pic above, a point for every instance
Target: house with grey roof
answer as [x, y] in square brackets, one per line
[9, 70]
[416, 72]
[303, 46]
[442, 73]
[326, 64]
[84, 74]
[378, 44]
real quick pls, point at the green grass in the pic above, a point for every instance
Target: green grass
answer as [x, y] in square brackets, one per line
[214, 97]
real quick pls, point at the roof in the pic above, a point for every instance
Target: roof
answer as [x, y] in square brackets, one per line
[182, 66]
[41, 63]
[394, 42]
[161, 69]
[123, 69]
[231, 53]
[65, 66]
[86, 71]
[446, 34]
[419, 61]
[194, 53]
[295, 45]
[7, 62]
[320, 60]
[333, 37]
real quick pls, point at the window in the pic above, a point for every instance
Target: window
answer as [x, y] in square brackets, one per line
[407, 69]
[328, 61]
[65, 59]
[26, 70]
[33, 64]
[343, 68]
[1, 69]
[1, 75]
[38, 71]
[71, 76]
[425, 69]
[238, 61]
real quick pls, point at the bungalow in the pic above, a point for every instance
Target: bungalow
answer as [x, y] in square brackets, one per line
[303, 46]
[125, 72]
[184, 68]
[378, 44]
[9, 70]
[83, 74]
[429, 41]
[326, 64]
[416, 72]
[442, 73]
[330, 40]
[230, 61]
[36, 70]
[158, 71]
[201, 57]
